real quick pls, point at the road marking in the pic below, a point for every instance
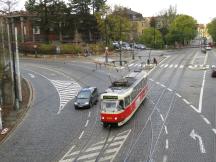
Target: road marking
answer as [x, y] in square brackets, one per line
[213, 66]
[171, 66]
[165, 127]
[167, 144]
[130, 65]
[162, 65]
[181, 66]
[177, 94]
[157, 83]
[31, 75]
[165, 158]
[195, 109]
[81, 135]
[192, 62]
[89, 114]
[214, 130]
[206, 120]
[166, 65]
[163, 85]
[161, 117]
[151, 79]
[201, 93]
[86, 123]
[186, 101]
[206, 58]
[176, 65]
[195, 137]
[169, 89]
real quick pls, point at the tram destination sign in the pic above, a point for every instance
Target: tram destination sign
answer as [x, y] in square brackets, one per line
[110, 97]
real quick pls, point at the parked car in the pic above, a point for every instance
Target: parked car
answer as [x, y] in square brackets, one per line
[140, 46]
[208, 48]
[213, 72]
[86, 98]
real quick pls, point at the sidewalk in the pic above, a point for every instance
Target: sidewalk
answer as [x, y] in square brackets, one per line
[12, 118]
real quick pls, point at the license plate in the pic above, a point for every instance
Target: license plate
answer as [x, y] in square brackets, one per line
[109, 117]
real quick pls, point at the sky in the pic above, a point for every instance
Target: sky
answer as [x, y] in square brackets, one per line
[202, 10]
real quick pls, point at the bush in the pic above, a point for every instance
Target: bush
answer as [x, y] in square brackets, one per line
[42, 48]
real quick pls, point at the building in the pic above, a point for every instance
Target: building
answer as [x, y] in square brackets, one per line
[139, 23]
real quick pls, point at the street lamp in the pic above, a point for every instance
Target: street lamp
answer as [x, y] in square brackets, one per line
[120, 61]
[106, 48]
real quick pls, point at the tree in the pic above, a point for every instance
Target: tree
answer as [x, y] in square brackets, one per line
[97, 5]
[152, 38]
[164, 20]
[80, 7]
[8, 5]
[212, 29]
[50, 13]
[182, 30]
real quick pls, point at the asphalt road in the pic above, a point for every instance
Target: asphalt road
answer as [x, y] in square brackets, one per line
[176, 122]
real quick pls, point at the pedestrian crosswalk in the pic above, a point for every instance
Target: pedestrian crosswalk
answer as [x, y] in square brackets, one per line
[107, 149]
[67, 90]
[168, 66]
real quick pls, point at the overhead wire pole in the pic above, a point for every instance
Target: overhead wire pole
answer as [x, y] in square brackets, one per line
[120, 42]
[106, 49]
[16, 104]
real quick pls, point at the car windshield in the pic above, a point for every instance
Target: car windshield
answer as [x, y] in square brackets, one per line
[84, 95]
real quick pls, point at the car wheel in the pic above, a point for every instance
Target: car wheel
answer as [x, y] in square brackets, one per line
[90, 104]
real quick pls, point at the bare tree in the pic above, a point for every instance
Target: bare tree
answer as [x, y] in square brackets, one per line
[8, 5]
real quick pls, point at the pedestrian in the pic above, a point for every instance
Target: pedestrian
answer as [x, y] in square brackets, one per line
[155, 61]
[148, 61]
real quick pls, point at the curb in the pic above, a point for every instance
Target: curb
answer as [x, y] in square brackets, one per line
[23, 114]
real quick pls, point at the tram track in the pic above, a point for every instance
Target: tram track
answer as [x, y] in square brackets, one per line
[155, 107]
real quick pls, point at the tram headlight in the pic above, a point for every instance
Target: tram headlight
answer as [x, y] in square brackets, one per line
[115, 118]
[102, 117]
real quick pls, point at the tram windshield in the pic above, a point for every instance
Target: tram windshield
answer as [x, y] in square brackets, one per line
[112, 106]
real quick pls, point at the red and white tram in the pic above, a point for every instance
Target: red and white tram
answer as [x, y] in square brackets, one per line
[123, 98]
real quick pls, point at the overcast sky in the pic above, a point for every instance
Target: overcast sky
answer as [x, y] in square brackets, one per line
[203, 11]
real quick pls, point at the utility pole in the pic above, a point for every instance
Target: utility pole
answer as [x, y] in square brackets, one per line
[16, 104]
[120, 42]
[106, 49]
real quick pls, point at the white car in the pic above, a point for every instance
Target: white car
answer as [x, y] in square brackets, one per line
[208, 48]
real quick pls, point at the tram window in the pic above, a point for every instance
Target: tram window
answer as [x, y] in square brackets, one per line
[127, 101]
[121, 104]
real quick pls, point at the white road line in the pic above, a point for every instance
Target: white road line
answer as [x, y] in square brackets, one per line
[162, 85]
[31, 75]
[181, 66]
[166, 65]
[201, 93]
[206, 58]
[186, 101]
[206, 120]
[167, 144]
[88, 156]
[165, 158]
[195, 66]
[171, 66]
[214, 130]
[176, 65]
[130, 65]
[192, 62]
[157, 83]
[162, 65]
[213, 66]
[111, 150]
[162, 118]
[165, 127]
[169, 89]
[81, 135]
[177, 94]
[151, 79]
[106, 158]
[89, 114]
[86, 123]
[94, 148]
